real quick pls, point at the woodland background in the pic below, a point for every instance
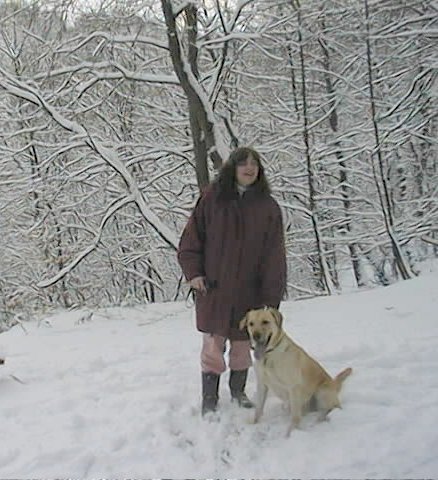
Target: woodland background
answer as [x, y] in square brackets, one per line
[113, 114]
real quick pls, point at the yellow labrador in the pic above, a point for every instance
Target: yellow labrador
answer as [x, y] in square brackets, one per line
[285, 368]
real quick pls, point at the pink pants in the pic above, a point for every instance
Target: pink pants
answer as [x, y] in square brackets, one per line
[213, 350]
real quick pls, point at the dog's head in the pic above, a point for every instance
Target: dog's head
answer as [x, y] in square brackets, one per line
[264, 327]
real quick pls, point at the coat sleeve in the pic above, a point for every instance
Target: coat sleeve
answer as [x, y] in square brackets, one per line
[191, 245]
[274, 271]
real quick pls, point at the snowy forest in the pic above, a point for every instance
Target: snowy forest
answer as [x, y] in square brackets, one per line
[115, 113]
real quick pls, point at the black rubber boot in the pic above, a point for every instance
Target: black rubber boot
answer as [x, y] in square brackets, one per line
[237, 388]
[210, 389]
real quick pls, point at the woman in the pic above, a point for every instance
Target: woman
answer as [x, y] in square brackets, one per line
[232, 253]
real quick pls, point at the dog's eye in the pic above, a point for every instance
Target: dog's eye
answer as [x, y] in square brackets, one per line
[265, 322]
[251, 324]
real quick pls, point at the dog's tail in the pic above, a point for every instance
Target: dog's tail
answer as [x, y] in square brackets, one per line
[340, 377]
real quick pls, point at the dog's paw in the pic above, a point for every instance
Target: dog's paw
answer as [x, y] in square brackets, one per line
[252, 420]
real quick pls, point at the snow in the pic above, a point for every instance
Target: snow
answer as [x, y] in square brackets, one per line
[118, 395]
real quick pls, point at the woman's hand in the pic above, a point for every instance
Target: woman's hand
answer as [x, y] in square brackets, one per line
[198, 284]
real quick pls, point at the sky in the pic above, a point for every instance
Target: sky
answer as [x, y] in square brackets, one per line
[118, 395]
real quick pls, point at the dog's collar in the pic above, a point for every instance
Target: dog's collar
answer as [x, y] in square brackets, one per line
[278, 347]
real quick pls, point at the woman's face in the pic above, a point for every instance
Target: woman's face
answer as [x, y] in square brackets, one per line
[247, 171]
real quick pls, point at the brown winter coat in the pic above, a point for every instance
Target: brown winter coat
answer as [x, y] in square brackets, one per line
[238, 246]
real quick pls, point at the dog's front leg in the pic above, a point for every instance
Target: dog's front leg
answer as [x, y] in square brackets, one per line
[295, 408]
[262, 393]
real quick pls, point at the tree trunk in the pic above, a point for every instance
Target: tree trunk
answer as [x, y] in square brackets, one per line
[205, 134]
[343, 177]
[322, 261]
[382, 187]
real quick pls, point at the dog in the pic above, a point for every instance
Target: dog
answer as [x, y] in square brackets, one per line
[285, 368]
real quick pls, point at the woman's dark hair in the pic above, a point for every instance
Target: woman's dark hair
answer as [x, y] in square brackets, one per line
[226, 179]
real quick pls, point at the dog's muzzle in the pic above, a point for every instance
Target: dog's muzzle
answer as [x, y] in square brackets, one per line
[260, 345]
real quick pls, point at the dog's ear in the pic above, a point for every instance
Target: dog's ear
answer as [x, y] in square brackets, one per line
[278, 317]
[242, 323]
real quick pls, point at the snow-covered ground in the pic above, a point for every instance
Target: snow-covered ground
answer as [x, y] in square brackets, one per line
[119, 396]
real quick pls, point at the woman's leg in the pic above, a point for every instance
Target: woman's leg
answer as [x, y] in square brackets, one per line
[212, 353]
[240, 361]
[240, 355]
[212, 365]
